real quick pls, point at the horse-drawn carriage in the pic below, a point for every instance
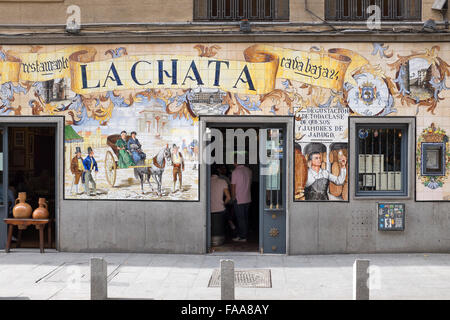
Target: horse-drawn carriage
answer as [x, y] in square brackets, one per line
[143, 170]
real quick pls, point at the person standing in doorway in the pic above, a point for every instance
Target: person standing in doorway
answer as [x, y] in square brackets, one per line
[90, 166]
[178, 166]
[222, 173]
[77, 168]
[220, 197]
[241, 182]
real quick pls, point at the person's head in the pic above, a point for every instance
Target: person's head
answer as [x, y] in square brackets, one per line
[175, 148]
[133, 134]
[316, 159]
[123, 134]
[222, 170]
[90, 152]
[78, 152]
[214, 171]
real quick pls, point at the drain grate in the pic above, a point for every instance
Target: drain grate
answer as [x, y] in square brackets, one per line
[256, 278]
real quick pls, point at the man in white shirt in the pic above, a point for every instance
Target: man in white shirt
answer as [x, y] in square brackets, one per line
[316, 187]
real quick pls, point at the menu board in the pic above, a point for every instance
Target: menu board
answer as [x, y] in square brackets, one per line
[391, 216]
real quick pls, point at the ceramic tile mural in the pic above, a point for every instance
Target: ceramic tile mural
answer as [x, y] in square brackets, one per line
[158, 92]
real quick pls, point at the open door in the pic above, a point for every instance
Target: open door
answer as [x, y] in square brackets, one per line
[267, 212]
[27, 164]
[273, 194]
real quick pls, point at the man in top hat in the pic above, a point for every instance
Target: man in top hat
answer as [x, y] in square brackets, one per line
[90, 166]
[316, 187]
[77, 168]
[178, 166]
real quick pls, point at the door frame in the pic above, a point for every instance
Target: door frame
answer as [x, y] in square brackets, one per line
[287, 122]
[4, 207]
[58, 123]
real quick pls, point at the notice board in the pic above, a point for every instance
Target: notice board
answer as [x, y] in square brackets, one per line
[391, 216]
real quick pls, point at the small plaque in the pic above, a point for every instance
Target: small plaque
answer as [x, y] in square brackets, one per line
[391, 216]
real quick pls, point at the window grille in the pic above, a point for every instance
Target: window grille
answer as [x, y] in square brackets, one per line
[381, 156]
[236, 10]
[356, 10]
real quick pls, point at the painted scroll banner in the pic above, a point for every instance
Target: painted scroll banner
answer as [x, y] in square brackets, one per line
[256, 74]
[46, 66]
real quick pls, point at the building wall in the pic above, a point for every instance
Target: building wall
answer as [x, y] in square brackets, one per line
[107, 223]
[351, 227]
[143, 11]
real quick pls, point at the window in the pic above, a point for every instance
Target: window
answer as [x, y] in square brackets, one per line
[433, 163]
[236, 10]
[381, 159]
[356, 10]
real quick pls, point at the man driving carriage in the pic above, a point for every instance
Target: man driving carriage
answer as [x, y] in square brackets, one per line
[135, 148]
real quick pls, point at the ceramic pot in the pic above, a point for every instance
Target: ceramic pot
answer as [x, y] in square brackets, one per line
[22, 210]
[41, 212]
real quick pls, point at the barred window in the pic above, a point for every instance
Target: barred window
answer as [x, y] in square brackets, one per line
[356, 10]
[381, 159]
[236, 10]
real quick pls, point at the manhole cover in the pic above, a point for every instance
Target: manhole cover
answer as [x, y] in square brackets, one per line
[260, 278]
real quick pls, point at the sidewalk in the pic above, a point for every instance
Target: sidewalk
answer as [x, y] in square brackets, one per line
[27, 274]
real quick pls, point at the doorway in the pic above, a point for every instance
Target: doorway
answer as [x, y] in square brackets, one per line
[267, 210]
[28, 164]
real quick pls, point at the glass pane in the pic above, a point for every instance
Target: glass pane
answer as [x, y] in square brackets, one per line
[399, 8]
[359, 8]
[214, 8]
[380, 159]
[268, 8]
[385, 9]
[412, 9]
[273, 169]
[240, 7]
[331, 10]
[346, 5]
[253, 9]
[227, 8]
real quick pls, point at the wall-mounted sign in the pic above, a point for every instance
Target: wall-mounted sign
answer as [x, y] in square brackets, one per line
[391, 216]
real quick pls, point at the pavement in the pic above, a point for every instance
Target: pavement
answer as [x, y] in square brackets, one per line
[27, 274]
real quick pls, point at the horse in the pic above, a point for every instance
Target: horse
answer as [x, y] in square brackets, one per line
[155, 170]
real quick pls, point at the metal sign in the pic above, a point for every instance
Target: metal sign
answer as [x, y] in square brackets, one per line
[391, 216]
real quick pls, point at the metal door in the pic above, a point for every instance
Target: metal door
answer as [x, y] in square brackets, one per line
[3, 184]
[272, 230]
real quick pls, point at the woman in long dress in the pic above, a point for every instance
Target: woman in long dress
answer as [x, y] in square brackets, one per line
[125, 159]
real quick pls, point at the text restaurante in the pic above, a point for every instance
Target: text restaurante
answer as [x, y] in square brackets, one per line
[46, 66]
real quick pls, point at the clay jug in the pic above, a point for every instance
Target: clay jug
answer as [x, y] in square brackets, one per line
[22, 210]
[41, 212]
